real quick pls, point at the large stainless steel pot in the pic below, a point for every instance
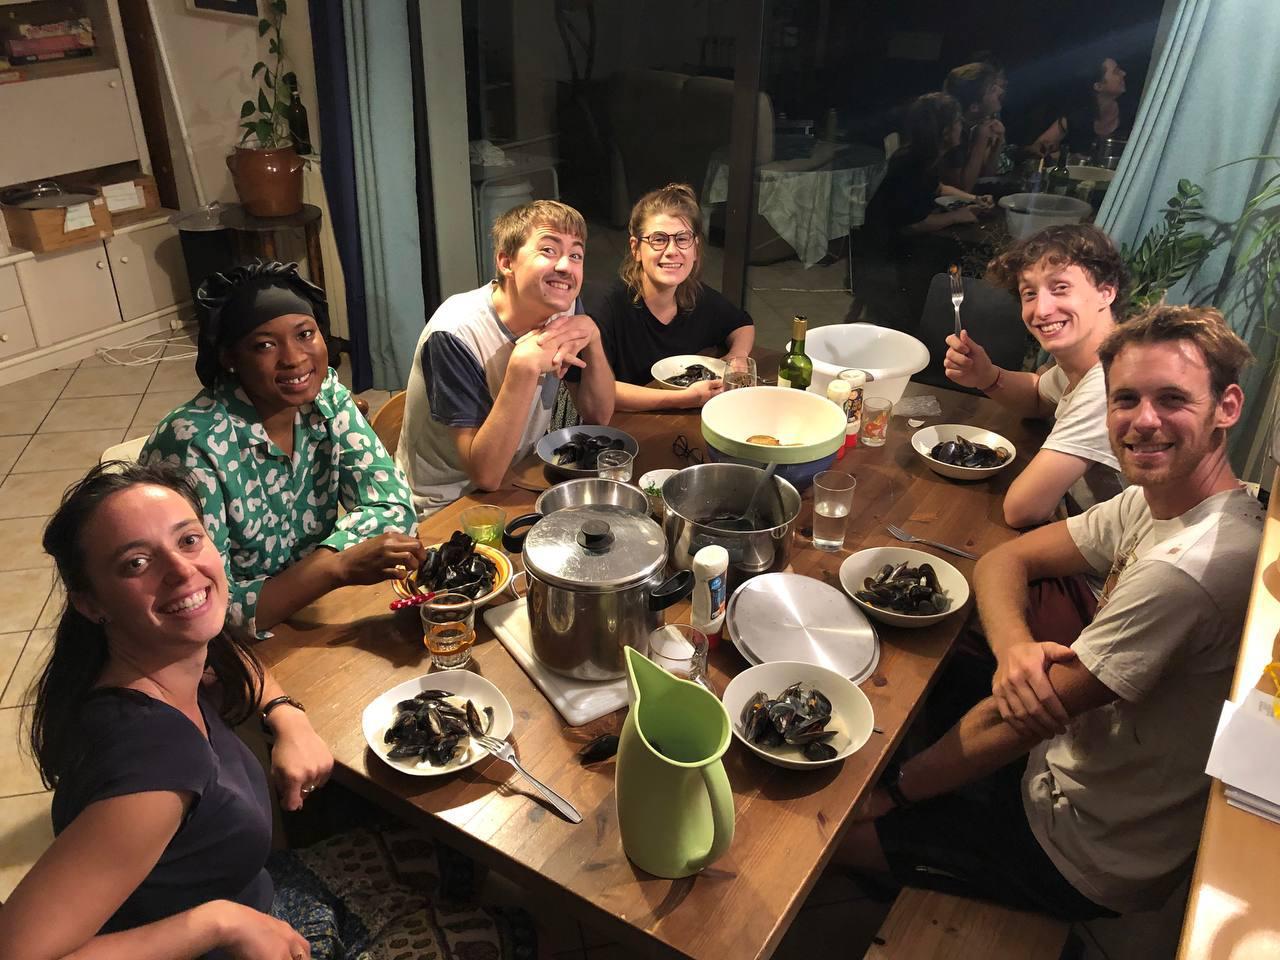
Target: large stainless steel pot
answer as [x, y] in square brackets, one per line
[700, 493]
[595, 586]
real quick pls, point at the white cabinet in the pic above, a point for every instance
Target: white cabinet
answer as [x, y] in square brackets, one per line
[10, 291]
[65, 124]
[69, 293]
[15, 332]
[148, 270]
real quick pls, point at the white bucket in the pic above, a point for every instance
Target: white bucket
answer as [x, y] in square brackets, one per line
[1027, 213]
[497, 201]
[889, 357]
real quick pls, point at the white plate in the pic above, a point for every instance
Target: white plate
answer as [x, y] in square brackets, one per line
[927, 438]
[867, 563]
[674, 366]
[851, 714]
[380, 714]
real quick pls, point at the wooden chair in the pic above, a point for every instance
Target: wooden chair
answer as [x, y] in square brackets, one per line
[925, 924]
[386, 422]
[992, 316]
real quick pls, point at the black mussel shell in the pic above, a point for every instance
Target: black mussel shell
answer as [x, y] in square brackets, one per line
[818, 751]
[428, 569]
[947, 452]
[566, 455]
[432, 695]
[407, 749]
[403, 726]
[443, 750]
[601, 748]
[474, 724]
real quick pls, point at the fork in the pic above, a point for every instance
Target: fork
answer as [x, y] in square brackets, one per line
[905, 537]
[957, 294]
[506, 752]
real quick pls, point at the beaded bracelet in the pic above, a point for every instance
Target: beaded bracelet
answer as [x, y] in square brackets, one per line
[996, 382]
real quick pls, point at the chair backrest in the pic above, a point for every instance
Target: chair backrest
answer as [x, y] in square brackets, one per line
[991, 315]
[892, 141]
[128, 450]
[386, 422]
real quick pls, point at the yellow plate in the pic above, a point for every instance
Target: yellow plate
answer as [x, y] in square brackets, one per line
[408, 586]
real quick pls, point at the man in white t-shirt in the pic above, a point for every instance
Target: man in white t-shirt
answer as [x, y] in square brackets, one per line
[1077, 788]
[1072, 283]
[488, 365]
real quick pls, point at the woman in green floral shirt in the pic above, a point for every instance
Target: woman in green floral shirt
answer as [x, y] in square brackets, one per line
[276, 444]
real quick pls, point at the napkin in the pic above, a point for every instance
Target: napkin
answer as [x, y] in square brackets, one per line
[1244, 754]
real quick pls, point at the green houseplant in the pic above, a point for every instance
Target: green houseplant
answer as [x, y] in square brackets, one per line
[268, 171]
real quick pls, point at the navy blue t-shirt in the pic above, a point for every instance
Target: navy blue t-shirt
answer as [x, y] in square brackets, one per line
[137, 744]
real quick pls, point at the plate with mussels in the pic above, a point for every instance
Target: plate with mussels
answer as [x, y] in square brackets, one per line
[459, 565]
[425, 726]
[961, 452]
[571, 452]
[798, 715]
[676, 373]
[903, 587]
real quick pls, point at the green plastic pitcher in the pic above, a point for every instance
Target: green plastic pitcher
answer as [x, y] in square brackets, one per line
[675, 808]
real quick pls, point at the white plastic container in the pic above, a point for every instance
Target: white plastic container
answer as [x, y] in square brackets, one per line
[1028, 213]
[710, 590]
[888, 357]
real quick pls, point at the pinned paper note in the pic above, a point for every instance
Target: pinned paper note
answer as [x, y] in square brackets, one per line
[78, 217]
[122, 196]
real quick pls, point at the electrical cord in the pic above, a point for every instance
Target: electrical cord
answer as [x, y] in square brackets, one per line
[148, 350]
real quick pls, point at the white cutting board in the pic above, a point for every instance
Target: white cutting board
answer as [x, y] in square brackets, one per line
[579, 701]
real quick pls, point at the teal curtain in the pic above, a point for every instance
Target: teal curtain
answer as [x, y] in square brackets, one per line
[380, 80]
[1212, 97]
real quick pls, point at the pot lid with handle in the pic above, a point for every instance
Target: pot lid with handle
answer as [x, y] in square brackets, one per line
[597, 548]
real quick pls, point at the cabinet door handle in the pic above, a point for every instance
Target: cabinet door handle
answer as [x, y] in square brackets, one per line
[4, 338]
[101, 265]
[124, 259]
[113, 84]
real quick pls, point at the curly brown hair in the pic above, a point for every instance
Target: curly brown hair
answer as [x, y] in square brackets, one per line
[1061, 245]
[1225, 354]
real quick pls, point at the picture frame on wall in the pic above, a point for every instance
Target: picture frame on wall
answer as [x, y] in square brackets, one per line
[228, 9]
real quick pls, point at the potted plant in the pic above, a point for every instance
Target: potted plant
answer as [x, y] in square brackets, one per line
[265, 167]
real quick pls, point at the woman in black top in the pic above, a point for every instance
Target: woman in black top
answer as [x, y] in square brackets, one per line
[659, 308]
[1096, 114]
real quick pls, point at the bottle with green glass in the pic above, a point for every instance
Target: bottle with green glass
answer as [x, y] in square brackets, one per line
[797, 369]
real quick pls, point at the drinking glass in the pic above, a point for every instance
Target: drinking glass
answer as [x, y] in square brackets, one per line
[875, 421]
[739, 372]
[449, 629]
[681, 650]
[615, 465]
[832, 501]
[484, 524]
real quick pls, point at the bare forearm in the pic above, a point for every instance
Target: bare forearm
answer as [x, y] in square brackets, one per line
[741, 341]
[1017, 391]
[978, 745]
[189, 934]
[630, 397]
[298, 585]
[494, 444]
[1000, 582]
[596, 392]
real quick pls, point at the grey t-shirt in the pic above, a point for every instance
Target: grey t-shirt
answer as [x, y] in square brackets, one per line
[1116, 801]
[1080, 429]
[459, 365]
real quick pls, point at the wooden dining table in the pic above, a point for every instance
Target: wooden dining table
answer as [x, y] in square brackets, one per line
[343, 651]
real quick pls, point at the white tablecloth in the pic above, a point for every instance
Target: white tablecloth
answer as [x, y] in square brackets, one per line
[809, 201]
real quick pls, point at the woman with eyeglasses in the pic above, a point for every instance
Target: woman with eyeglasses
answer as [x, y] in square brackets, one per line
[659, 308]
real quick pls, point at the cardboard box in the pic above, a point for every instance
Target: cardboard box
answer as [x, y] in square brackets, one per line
[133, 195]
[58, 228]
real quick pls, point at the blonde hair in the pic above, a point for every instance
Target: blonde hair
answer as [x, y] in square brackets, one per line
[673, 200]
[1225, 354]
[512, 229]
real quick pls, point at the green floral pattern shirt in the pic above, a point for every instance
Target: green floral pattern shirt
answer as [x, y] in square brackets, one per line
[266, 510]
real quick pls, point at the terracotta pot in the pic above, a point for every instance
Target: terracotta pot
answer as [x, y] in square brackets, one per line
[269, 182]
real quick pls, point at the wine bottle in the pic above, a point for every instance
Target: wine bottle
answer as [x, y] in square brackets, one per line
[299, 128]
[797, 369]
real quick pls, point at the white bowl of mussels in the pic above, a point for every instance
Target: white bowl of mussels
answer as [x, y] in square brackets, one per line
[961, 452]
[903, 587]
[798, 715]
[676, 373]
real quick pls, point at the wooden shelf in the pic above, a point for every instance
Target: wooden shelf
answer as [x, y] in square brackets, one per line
[64, 68]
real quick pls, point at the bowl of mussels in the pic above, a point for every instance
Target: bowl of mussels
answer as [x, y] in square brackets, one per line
[903, 587]
[426, 726]
[571, 452]
[960, 452]
[676, 373]
[798, 715]
[459, 565]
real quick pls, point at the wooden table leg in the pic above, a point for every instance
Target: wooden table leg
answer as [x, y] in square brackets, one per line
[315, 264]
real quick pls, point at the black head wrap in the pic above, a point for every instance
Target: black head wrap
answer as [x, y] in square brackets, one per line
[233, 304]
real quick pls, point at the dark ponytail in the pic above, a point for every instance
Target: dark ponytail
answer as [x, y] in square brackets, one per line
[80, 645]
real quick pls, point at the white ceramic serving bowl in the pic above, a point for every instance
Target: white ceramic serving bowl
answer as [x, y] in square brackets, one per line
[867, 563]
[669, 367]
[889, 357]
[1028, 213]
[381, 712]
[851, 714]
[926, 438]
[810, 426]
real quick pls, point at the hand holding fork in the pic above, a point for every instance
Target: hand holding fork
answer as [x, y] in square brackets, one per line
[957, 294]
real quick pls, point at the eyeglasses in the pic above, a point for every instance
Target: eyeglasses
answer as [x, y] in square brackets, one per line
[682, 450]
[659, 241]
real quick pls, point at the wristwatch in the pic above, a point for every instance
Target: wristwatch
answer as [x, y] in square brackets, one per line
[892, 783]
[272, 704]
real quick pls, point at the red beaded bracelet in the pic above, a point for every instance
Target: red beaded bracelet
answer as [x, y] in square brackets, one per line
[996, 382]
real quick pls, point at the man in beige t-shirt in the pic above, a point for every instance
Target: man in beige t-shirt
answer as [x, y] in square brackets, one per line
[1077, 788]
